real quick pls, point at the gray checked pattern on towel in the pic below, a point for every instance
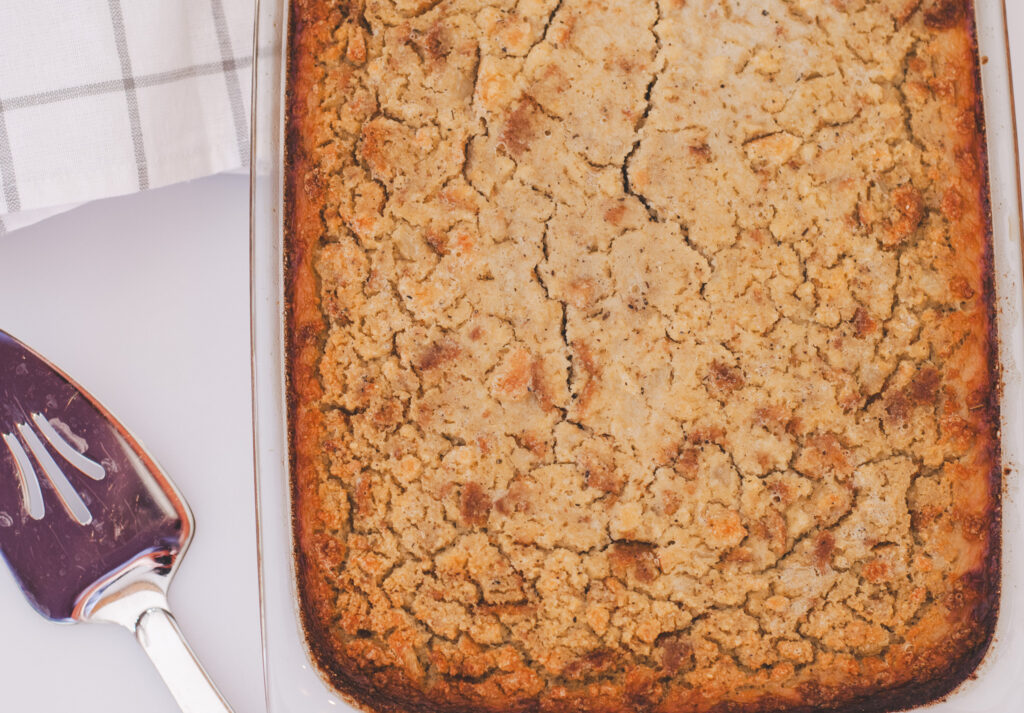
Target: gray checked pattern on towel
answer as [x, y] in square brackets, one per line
[105, 97]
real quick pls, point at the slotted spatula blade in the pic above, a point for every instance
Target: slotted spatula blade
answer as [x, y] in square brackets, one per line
[90, 526]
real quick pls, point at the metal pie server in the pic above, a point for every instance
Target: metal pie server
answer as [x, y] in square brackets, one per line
[90, 526]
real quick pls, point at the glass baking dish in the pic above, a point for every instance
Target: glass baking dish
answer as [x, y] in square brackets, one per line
[293, 683]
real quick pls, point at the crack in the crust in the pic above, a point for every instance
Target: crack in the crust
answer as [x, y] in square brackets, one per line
[570, 371]
[477, 60]
[563, 327]
[547, 25]
[543, 261]
[545, 28]
[627, 185]
[659, 62]
[912, 136]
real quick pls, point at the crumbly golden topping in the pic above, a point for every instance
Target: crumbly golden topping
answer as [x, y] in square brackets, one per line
[655, 350]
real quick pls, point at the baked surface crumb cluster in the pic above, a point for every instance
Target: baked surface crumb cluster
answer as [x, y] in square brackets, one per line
[641, 352]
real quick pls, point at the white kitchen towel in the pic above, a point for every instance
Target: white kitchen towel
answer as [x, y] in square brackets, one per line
[105, 97]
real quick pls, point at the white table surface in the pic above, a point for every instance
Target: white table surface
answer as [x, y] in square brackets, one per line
[144, 300]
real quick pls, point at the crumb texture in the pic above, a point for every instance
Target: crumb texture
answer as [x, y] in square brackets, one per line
[642, 352]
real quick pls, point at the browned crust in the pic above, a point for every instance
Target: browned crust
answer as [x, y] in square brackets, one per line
[940, 669]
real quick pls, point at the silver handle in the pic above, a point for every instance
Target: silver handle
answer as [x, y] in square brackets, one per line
[163, 642]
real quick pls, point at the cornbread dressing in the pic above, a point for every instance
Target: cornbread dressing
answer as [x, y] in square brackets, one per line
[641, 354]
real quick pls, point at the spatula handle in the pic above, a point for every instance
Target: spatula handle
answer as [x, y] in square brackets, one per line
[163, 642]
